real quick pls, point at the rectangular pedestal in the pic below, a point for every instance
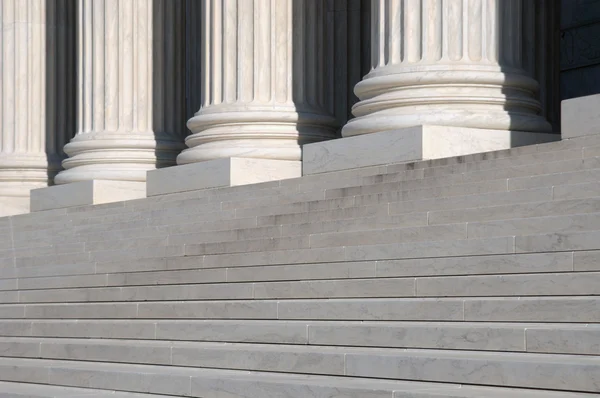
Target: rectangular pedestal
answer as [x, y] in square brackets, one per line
[410, 144]
[85, 193]
[219, 173]
[580, 116]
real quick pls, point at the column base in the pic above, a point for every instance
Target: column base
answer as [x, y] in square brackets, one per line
[411, 144]
[218, 173]
[92, 192]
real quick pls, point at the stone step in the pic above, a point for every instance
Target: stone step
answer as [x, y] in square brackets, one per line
[477, 309]
[26, 390]
[514, 337]
[578, 373]
[216, 383]
[190, 270]
[397, 209]
[578, 241]
[541, 284]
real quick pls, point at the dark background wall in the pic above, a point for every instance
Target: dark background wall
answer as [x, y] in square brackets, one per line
[579, 48]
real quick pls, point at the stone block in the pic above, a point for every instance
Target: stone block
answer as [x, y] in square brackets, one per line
[580, 116]
[409, 309]
[432, 335]
[532, 309]
[247, 331]
[217, 173]
[83, 193]
[258, 358]
[410, 144]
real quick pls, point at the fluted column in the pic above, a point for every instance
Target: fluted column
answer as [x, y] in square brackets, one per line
[451, 63]
[36, 96]
[131, 98]
[265, 82]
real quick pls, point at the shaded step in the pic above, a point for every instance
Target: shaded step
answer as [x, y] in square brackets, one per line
[577, 373]
[25, 390]
[485, 309]
[212, 383]
[517, 337]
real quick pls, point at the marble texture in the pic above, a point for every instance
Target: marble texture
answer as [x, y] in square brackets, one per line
[83, 193]
[130, 90]
[36, 96]
[450, 63]
[580, 116]
[424, 142]
[216, 173]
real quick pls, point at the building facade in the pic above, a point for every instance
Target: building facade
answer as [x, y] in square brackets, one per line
[107, 90]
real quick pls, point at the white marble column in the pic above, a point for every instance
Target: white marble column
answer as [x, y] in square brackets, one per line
[131, 99]
[450, 63]
[36, 96]
[265, 81]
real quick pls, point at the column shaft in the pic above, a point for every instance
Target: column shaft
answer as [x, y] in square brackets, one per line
[448, 62]
[36, 95]
[265, 80]
[131, 93]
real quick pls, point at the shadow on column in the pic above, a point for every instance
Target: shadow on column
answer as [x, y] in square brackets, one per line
[60, 80]
[530, 45]
[169, 78]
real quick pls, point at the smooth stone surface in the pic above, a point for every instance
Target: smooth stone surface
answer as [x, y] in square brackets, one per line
[216, 173]
[580, 116]
[410, 144]
[83, 193]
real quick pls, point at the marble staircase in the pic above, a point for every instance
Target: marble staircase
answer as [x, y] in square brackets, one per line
[466, 277]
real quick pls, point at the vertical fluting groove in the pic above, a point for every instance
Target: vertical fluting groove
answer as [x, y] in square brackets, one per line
[310, 64]
[111, 101]
[170, 105]
[9, 64]
[149, 69]
[88, 92]
[36, 87]
[246, 10]
[2, 78]
[375, 36]
[126, 52]
[158, 68]
[412, 34]
[135, 56]
[262, 51]
[319, 39]
[144, 36]
[455, 26]
[299, 43]
[476, 30]
[52, 78]
[395, 39]
[217, 55]
[97, 69]
[229, 48]
[432, 30]
[289, 65]
[280, 41]
[21, 106]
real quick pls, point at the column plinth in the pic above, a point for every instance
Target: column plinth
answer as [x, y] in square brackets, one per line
[448, 63]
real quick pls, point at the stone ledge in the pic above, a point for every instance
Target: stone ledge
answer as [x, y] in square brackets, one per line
[219, 173]
[83, 193]
[580, 116]
[411, 144]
